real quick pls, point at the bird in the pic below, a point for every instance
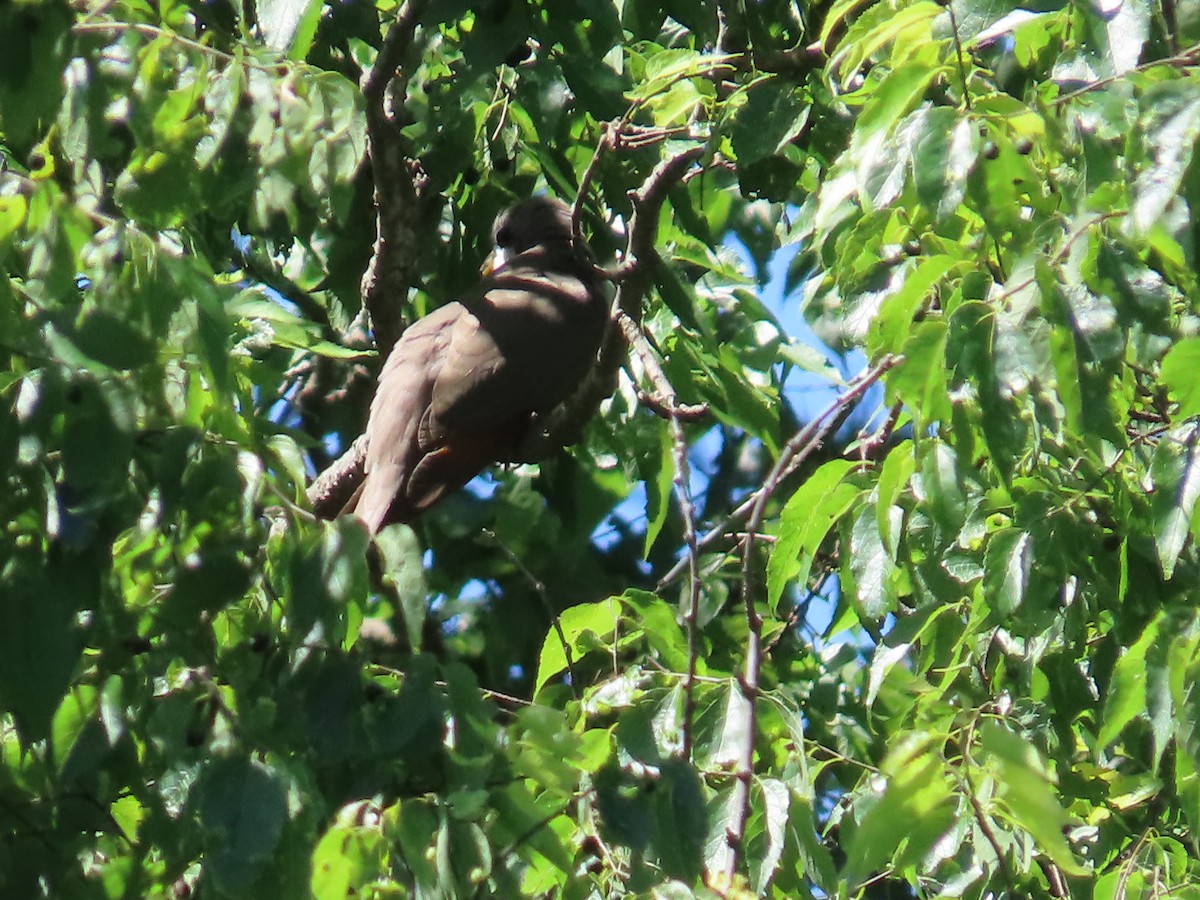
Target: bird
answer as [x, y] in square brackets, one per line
[463, 385]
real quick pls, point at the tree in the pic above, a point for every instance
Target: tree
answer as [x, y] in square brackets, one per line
[538, 690]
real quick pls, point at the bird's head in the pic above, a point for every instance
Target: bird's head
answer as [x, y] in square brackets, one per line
[538, 221]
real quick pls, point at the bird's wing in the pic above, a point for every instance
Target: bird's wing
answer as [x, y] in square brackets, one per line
[528, 339]
[405, 389]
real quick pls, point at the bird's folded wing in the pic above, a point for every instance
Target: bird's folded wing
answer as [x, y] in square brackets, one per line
[405, 388]
[521, 349]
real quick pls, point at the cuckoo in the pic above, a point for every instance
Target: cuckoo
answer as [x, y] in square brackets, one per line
[463, 385]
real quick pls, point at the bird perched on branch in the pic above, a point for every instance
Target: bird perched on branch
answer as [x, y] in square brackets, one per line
[463, 385]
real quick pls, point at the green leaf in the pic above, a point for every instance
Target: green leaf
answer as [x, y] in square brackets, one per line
[402, 727]
[112, 341]
[659, 620]
[730, 736]
[242, 807]
[916, 791]
[907, 26]
[285, 328]
[523, 820]
[919, 381]
[1181, 374]
[973, 356]
[289, 24]
[774, 799]
[814, 856]
[871, 564]
[894, 477]
[898, 94]
[810, 359]
[34, 42]
[890, 328]
[328, 572]
[1173, 142]
[1006, 566]
[403, 573]
[1126, 698]
[805, 521]
[667, 67]
[12, 215]
[347, 859]
[600, 90]
[943, 156]
[723, 381]
[677, 105]
[1175, 474]
[773, 114]
[1025, 786]
[659, 478]
[680, 819]
[1126, 28]
[598, 620]
[78, 710]
[39, 648]
[973, 16]
[658, 811]
[939, 488]
[96, 447]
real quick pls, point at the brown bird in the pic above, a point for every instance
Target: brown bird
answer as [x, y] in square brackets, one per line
[461, 387]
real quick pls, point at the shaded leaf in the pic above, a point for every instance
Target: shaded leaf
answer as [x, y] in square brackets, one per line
[241, 805]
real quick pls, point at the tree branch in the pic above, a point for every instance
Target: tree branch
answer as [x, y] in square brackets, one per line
[399, 205]
[399, 184]
[331, 490]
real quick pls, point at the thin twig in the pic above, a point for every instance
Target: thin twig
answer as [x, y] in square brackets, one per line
[585, 182]
[1182, 58]
[799, 611]
[663, 400]
[870, 444]
[799, 447]
[539, 588]
[691, 613]
[981, 818]
[1059, 255]
[814, 429]
[507, 700]
[153, 31]
[958, 55]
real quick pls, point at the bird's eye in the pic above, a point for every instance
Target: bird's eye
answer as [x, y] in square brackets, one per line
[503, 236]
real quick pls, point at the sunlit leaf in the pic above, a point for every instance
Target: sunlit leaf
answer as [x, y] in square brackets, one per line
[1007, 561]
[1173, 143]
[914, 789]
[1127, 693]
[809, 515]
[1181, 373]
[1176, 477]
[1027, 791]
[597, 618]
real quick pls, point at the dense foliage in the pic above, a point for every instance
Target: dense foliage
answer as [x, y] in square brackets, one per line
[546, 688]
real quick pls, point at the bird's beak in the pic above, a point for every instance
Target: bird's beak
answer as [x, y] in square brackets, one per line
[493, 262]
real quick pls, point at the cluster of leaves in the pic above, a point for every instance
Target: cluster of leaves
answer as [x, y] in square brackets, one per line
[204, 689]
